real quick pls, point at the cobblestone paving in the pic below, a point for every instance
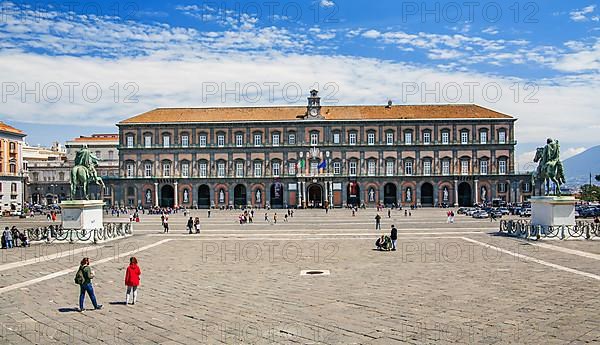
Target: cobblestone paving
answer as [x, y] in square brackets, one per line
[232, 284]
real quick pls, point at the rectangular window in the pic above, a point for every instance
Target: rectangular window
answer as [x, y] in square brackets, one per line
[408, 138]
[130, 141]
[202, 170]
[371, 168]
[502, 137]
[185, 170]
[257, 169]
[337, 168]
[239, 169]
[239, 140]
[276, 169]
[257, 140]
[130, 169]
[292, 139]
[292, 168]
[220, 140]
[483, 137]
[464, 167]
[314, 139]
[111, 155]
[446, 167]
[371, 138]
[166, 170]
[464, 138]
[221, 169]
[352, 168]
[502, 187]
[336, 138]
[427, 138]
[275, 139]
[98, 155]
[408, 168]
[202, 140]
[483, 167]
[352, 139]
[166, 141]
[148, 141]
[427, 167]
[313, 168]
[185, 141]
[389, 138]
[526, 187]
[148, 170]
[389, 168]
[445, 138]
[502, 167]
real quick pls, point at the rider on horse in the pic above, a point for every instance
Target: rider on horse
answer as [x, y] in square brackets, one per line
[86, 158]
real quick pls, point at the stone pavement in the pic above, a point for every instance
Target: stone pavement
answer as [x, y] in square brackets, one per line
[241, 284]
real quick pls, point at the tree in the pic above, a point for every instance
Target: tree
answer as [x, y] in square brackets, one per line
[590, 193]
[598, 178]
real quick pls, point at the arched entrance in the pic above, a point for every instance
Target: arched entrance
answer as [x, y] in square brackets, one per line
[277, 195]
[167, 196]
[315, 196]
[240, 197]
[203, 196]
[427, 194]
[390, 194]
[353, 190]
[465, 195]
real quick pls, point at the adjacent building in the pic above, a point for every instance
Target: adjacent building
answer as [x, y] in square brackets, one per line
[48, 174]
[313, 156]
[12, 174]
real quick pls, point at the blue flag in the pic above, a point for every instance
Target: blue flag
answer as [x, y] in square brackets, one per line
[322, 165]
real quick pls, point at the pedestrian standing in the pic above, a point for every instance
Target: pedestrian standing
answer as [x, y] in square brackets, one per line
[275, 218]
[190, 225]
[8, 238]
[267, 217]
[208, 213]
[83, 278]
[285, 218]
[378, 222]
[390, 213]
[197, 225]
[405, 213]
[394, 237]
[132, 280]
[166, 225]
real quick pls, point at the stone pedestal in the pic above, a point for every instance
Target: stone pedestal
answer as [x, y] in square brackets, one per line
[553, 210]
[83, 217]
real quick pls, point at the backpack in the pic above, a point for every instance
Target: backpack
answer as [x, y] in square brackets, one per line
[79, 278]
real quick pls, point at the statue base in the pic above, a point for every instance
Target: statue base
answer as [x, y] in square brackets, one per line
[82, 216]
[553, 210]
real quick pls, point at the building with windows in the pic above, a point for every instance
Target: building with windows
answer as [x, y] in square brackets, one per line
[317, 155]
[47, 174]
[12, 174]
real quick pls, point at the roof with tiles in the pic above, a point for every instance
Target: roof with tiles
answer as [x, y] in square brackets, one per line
[10, 129]
[293, 113]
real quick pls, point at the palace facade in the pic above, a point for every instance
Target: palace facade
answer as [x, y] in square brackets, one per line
[314, 156]
[12, 174]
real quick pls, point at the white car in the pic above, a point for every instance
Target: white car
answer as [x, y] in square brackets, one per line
[481, 215]
[472, 211]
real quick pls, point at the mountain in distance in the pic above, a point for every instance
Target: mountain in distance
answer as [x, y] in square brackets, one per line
[579, 167]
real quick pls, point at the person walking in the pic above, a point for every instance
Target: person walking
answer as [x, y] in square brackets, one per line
[190, 225]
[390, 213]
[377, 222]
[197, 225]
[132, 280]
[208, 213]
[275, 218]
[166, 225]
[394, 237]
[83, 278]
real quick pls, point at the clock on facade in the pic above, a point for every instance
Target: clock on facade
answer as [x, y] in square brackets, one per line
[314, 112]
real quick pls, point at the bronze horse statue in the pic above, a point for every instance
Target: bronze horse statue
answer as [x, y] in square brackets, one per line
[81, 176]
[549, 170]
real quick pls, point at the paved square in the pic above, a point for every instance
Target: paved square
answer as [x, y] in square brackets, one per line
[241, 284]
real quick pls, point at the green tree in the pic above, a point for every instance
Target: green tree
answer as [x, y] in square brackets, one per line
[598, 178]
[590, 193]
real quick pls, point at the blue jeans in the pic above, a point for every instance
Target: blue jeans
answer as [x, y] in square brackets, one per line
[90, 290]
[9, 244]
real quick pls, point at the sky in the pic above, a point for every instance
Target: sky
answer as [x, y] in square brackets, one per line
[78, 67]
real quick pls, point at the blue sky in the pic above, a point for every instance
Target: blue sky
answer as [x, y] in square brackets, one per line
[121, 58]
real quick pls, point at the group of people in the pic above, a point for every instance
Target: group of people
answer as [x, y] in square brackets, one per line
[11, 238]
[85, 274]
[193, 225]
[388, 242]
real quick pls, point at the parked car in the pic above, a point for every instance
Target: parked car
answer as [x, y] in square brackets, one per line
[496, 213]
[480, 215]
[462, 210]
[471, 211]
[526, 212]
[504, 211]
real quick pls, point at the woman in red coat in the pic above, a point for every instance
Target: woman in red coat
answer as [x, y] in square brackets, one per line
[132, 280]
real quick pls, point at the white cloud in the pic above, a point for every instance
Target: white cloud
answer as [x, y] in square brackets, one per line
[492, 30]
[580, 15]
[327, 3]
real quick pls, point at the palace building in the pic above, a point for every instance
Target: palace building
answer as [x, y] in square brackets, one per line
[315, 156]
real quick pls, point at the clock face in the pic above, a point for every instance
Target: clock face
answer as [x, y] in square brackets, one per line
[313, 112]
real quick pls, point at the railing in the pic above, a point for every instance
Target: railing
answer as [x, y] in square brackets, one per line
[53, 233]
[524, 229]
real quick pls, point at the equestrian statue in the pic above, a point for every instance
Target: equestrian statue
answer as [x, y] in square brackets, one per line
[84, 172]
[550, 168]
